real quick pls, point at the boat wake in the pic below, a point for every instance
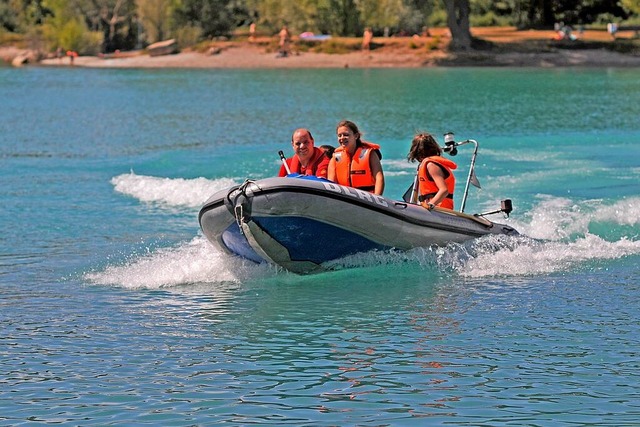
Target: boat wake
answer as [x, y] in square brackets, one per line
[175, 192]
[558, 235]
[562, 235]
[193, 262]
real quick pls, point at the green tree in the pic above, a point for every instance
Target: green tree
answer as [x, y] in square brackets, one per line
[337, 17]
[631, 5]
[347, 17]
[24, 15]
[298, 15]
[66, 29]
[156, 17]
[419, 13]
[214, 17]
[383, 13]
[8, 19]
[114, 18]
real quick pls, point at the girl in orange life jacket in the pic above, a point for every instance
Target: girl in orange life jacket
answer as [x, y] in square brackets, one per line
[435, 176]
[356, 163]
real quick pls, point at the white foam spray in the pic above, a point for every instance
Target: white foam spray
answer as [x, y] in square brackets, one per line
[559, 239]
[169, 191]
[196, 261]
[555, 218]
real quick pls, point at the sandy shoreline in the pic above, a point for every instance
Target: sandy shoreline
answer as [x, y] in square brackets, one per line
[248, 57]
[535, 50]
[253, 57]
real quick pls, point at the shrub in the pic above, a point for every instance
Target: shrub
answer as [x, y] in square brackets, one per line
[10, 38]
[72, 35]
[337, 46]
[434, 43]
[188, 36]
[605, 18]
[438, 19]
[489, 19]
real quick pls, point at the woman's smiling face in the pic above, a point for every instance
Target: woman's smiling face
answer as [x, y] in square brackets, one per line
[347, 138]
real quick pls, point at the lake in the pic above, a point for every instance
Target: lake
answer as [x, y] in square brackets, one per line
[115, 310]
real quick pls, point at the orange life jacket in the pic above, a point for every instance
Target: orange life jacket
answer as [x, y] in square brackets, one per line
[427, 188]
[317, 166]
[356, 171]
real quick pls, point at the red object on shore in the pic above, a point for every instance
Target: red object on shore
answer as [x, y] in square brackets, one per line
[71, 54]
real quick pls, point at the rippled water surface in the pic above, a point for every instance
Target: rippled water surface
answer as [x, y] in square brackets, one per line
[116, 311]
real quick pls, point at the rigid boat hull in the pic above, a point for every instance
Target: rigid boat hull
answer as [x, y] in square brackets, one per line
[301, 224]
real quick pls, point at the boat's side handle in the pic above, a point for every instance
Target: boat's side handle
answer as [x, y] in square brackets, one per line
[400, 205]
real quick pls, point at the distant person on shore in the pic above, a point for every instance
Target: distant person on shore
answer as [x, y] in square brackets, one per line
[72, 55]
[252, 32]
[307, 159]
[435, 177]
[367, 37]
[356, 163]
[285, 42]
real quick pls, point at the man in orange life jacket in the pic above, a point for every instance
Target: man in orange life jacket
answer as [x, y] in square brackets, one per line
[356, 163]
[435, 177]
[307, 159]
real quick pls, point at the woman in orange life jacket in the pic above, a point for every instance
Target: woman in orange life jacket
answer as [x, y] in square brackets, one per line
[435, 177]
[356, 163]
[307, 159]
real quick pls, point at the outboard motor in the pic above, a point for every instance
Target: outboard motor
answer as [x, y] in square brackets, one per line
[505, 206]
[450, 146]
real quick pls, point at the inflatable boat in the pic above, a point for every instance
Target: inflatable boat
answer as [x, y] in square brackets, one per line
[301, 223]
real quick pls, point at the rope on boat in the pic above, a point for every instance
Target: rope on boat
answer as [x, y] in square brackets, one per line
[238, 207]
[237, 212]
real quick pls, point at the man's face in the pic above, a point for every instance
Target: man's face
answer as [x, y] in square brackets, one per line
[302, 145]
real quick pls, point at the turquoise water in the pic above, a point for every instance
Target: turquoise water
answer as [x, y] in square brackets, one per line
[116, 311]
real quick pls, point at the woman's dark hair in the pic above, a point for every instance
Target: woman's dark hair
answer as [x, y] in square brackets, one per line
[328, 150]
[423, 146]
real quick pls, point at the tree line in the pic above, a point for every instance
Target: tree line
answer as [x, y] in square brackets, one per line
[92, 26]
